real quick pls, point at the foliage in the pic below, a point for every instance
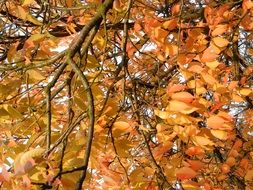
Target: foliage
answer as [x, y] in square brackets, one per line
[126, 94]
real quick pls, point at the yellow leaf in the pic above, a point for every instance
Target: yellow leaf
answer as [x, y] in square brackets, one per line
[92, 62]
[246, 91]
[220, 42]
[178, 106]
[24, 161]
[213, 64]
[189, 185]
[162, 114]
[80, 103]
[35, 75]
[208, 78]
[202, 141]
[122, 126]
[237, 98]
[209, 55]
[33, 20]
[21, 13]
[28, 2]
[37, 37]
[14, 113]
[222, 135]
[219, 29]
[249, 175]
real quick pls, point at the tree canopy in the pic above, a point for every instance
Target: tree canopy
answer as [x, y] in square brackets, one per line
[126, 94]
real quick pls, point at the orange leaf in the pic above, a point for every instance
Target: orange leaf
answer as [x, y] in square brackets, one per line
[250, 51]
[171, 49]
[121, 125]
[196, 68]
[209, 55]
[170, 24]
[177, 106]
[185, 173]
[208, 78]
[249, 175]
[213, 64]
[175, 9]
[160, 34]
[176, 88]
[219, 29]
[222, 135]
[202, 141]
[220, 42]
[215, 122]
[194, 150]
[196, 164]
[183, 96]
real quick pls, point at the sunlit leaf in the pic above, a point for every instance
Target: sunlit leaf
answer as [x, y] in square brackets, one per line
[28, 2]
[220, 29]
[178, 106]
[183, 96]
[220, 42]
[222, 135]
[246, 91]
[185, 173]
[175, 88]
[213, 64]
[25, 161]
[195, 150]
[170, 24]
[202, 141]
[122, 126]
[209, 55]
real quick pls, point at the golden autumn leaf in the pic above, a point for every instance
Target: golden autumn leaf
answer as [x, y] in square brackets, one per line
[213, 64]
[122, 126]
[190, 185]
[35, 75]
[194, 150]
[209, 55]
[27, 2]
[220, 134]
[176, 88]
[220, 29]
[217, 122]
[220, 42]
[183, 96]
[246, 91]
[209, 79]
[196, 165]
[249, 175]
[171, 50]
[202, 141]
[185, 173]
[25, 160]
[162, 114]
[170, 24]
[182, 107]
[14, 113]
[22, 13]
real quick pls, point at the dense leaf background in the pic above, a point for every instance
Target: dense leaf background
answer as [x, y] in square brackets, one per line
[126, 94]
